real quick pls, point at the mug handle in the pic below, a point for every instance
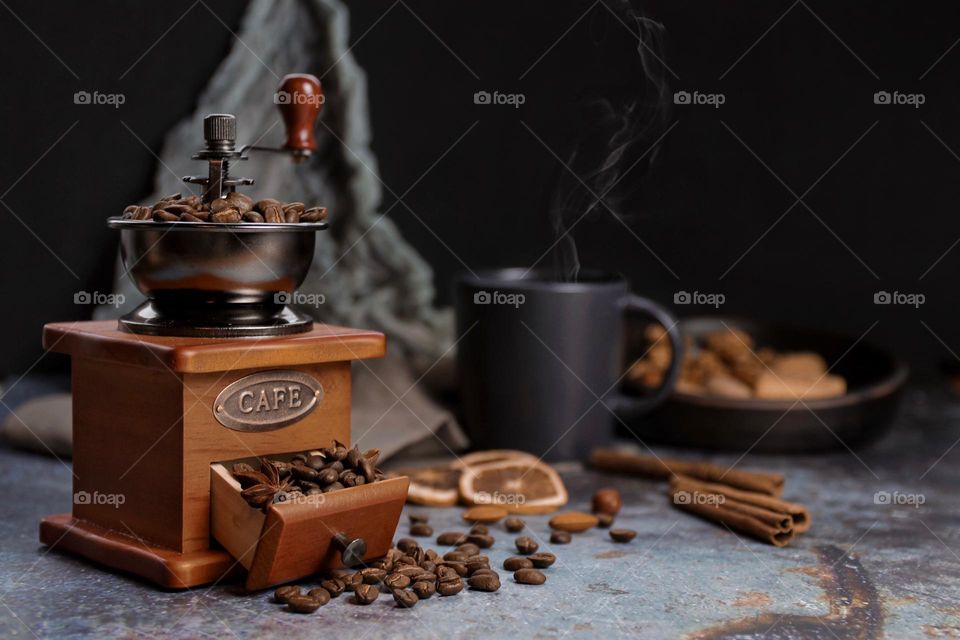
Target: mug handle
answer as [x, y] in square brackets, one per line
[630, 406]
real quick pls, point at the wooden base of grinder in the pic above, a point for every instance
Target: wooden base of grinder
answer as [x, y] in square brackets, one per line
[163, 567]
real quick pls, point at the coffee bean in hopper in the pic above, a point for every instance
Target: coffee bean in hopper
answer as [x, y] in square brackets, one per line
[622, 535]
[526, 545]
[529, 576]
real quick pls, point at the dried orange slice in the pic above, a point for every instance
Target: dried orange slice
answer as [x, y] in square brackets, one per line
[522, 485]
[432, 486]
[491, 455]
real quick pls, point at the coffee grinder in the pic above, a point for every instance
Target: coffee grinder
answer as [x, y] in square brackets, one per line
[162, 399]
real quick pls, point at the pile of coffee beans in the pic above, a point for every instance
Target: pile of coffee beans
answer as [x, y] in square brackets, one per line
[408, 573]
[234, 208]
[306, 474]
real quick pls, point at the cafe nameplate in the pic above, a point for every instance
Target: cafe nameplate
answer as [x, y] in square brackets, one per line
[267, 400]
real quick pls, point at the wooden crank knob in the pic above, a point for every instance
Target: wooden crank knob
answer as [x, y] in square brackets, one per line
[300, 98]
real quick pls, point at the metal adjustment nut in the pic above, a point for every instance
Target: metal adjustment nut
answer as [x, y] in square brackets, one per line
[351, 551]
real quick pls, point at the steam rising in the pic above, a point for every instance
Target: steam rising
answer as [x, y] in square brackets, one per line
[623, 132]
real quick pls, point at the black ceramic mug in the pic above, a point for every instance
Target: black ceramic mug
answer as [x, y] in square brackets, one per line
[540, 360]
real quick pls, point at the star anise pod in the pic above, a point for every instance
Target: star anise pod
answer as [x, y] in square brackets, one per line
[262, 494]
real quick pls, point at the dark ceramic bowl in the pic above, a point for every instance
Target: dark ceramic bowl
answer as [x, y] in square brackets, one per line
[874, 382]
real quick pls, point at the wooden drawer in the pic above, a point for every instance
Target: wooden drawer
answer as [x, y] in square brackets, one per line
[295, 539]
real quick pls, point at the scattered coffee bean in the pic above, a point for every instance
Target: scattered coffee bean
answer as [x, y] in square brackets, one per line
[424, 589]
[526, 545]
[514, 563]
[622, 535]
[604, 520]
[485, 513]
[407, 545]
[481, 540]
[417, 518]
[421, 529]
[542, 560]
[283, 593]
[451, 538]
[607, 500]
[469, 548]
[334, 586]
[449, 586]
[351, 581]
[573, 521]
[484, 581]
[479, 529]
[365, 593]
[373, 575]
[320, 594]
[560, 537]
[405, 599]
[304, 604]
[529, 576]
[476, 563]
[514, 525]
[396, 581]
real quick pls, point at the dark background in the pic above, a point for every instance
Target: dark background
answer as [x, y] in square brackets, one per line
[799, 98]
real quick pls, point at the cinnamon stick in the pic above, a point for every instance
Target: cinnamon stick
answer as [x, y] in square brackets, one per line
[798, 514]
[770, 484]
[763, 524]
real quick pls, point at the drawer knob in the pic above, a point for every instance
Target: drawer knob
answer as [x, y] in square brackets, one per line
[351, 551]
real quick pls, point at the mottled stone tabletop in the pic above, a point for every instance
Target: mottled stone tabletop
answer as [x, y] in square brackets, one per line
[876, 563]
